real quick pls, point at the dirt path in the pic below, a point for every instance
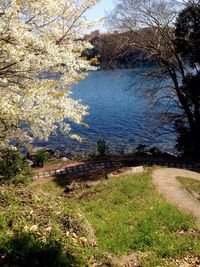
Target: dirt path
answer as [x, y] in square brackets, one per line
[165, 180]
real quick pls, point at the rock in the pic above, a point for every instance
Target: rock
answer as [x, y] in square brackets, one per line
[34, 150]
[74, 235]
[127, 170]
[92, 183]
[30, 162]
[33, 228]
[49, 229]
[83, 240]
[68, 189]
[64, 159]
[57, 154]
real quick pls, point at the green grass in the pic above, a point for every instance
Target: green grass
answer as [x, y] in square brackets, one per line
[190, 183]
[34, 223]
[53, 161]
[126, 213]
[129, 215]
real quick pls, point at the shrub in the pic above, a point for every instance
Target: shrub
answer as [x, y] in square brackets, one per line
[41, 158]
[13, 167]
[26, 251]
[102, 147]
[154, 151]
[141, 149]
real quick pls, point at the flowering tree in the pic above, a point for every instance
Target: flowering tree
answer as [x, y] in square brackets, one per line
[41, 43]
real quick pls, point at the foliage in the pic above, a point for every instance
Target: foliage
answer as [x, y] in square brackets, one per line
[141, 149]
[113, 51]
[25, 250]
[188, 44]
[41, 45]
[185, 142]
[37, 226]
[102, 147]
[41, 158]
[188, 32]
[93, 54]
[13, 167]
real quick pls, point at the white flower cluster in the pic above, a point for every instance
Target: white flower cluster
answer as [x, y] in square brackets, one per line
[40, 38]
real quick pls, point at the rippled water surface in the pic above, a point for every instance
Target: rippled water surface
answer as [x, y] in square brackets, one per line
[117, 114]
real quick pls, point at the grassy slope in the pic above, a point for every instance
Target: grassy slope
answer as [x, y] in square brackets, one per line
[132, 216]
[190, 184]
[126, 212]
[35, 216]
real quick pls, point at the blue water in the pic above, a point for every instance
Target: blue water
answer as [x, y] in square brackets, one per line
[118, 114]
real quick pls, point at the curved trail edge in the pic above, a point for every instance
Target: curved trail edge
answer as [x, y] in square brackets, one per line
[167, 184]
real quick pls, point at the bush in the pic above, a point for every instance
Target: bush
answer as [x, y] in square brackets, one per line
[155, 151]
[13, 167]
[41, 158]
[141, 149]
[102, 147]
[26, 251]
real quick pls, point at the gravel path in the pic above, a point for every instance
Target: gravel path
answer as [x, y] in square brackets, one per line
[165, 181]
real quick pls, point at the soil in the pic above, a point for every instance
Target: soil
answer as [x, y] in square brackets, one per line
[61, 165]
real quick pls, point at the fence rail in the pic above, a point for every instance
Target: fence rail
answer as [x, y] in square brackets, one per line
[106, 165]
[189, 165]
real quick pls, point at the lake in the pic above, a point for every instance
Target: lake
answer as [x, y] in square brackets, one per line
[118, 114]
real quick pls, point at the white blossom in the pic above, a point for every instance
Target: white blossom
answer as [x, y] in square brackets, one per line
[41, 38]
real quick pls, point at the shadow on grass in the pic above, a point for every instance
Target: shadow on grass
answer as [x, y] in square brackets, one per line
[85, 176]
[25, 250]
